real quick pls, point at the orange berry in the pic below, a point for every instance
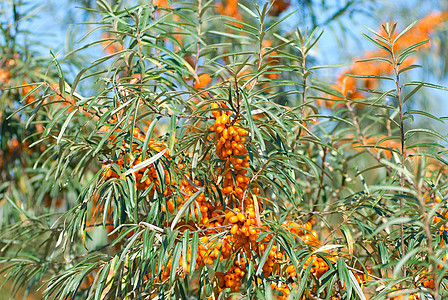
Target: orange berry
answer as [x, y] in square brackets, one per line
[170, 206]
[241, 217]
[228, 190]
[252, 231]
[234, 229]
[233, 219]
[225, 134]
[224, 119]
[229, 215]
[242, 131]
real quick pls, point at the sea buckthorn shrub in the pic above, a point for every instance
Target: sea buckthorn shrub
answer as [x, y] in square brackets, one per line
[204, 155]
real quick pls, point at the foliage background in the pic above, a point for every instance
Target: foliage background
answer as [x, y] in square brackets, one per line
[342, 28]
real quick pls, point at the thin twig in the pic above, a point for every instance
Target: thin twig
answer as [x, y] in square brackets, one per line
[321, 186]
[403, 147]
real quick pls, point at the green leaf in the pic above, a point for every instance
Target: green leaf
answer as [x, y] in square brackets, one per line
[173, 126]
[425, 84]
[348, 238]
[376, 43]
[389, 223]
[264, 257]
[355, 285]
[176, 258]
[145, 163]
[404, 31]
[233, 36]
[304, 280]
[329, 66]
[408, 68]
[404, 259]
[253, 129]
[344, 275]
[21, 211]
[423, 113]
[281, 20]
[60, 74]
[194, 251]
[186, 205]
[408, 49]
[148, 136]
[102, 279]
[64, 126]
[375, 59]
[410, 94]
[247, 10]
[425, 131]
[371, 76]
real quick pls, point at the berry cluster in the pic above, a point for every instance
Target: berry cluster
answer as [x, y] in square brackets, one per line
[147, 177]
[283, 289]
[309, 237]
[237, 218]
[240, 212]
[230, 146]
